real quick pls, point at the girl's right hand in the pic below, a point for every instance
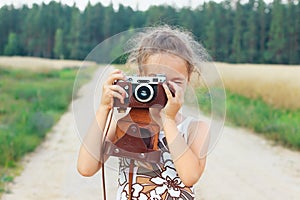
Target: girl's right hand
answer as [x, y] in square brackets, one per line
[109, 90]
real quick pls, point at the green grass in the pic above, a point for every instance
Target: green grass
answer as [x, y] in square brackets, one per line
[279, 125]
[30, 104]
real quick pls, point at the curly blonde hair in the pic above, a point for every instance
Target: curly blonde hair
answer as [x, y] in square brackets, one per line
[166, 39]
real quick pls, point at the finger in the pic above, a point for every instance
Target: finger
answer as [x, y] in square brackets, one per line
[115, 71]
[173, 85]
[118, 89]
[167, 91]
[111, 79]
[176, 88]
[115, 76]
[117, 95]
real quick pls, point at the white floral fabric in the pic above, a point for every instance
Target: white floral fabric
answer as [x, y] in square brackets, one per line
[156, 181]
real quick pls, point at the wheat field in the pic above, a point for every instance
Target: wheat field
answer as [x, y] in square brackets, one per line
[277, 85]
[35, 63]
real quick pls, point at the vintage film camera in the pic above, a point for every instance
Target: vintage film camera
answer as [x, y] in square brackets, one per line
[137, 133]
[143, 92]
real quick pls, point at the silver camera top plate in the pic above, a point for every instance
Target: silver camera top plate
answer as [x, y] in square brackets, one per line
[159, 78]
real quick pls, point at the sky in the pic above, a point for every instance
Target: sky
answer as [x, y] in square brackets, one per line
[142, 4]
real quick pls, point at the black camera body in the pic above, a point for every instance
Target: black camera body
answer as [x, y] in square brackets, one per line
[142, 92]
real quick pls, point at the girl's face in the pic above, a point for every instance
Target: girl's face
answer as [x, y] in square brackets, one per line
[173, 67]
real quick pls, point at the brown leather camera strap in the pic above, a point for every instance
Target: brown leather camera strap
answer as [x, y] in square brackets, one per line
[130, 179]
[104, 145]
[102, 153]
[130, 144]
[103, 181]
[129, 184]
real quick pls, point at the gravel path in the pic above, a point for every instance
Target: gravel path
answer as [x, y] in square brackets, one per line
[242, 166]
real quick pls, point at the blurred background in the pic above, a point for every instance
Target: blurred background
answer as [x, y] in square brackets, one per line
[251, 32]
[255, 45]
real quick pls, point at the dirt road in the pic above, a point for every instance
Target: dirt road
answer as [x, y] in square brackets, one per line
[242, 166]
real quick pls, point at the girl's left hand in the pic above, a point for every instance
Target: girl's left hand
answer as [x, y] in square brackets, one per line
[175, 100]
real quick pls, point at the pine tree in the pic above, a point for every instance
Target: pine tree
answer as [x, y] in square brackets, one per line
[59, 44]
[186, 18]
[211, 28]
[9, 23]
[109, 22]
[225, 21]
[250, 36]
[236, 55]
[276, 50]
[292, 27]
[73, 38]
[31, 32]
[12, 46]
[262, 37]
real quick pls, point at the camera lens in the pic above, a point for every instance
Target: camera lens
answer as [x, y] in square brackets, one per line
[144, 93]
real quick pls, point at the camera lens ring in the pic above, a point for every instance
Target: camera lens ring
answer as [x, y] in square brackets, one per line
[149, 96]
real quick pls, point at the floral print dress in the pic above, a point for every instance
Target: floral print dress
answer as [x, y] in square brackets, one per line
[155, 181]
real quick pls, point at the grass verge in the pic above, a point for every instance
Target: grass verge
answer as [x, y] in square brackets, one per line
[277, 124]
[31, 103]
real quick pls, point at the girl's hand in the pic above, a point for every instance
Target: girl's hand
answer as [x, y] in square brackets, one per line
[175, 101]
[109, 90]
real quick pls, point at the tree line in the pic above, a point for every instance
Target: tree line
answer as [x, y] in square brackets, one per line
[251, 32]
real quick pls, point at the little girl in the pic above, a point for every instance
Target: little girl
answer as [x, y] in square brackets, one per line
[182, 139]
